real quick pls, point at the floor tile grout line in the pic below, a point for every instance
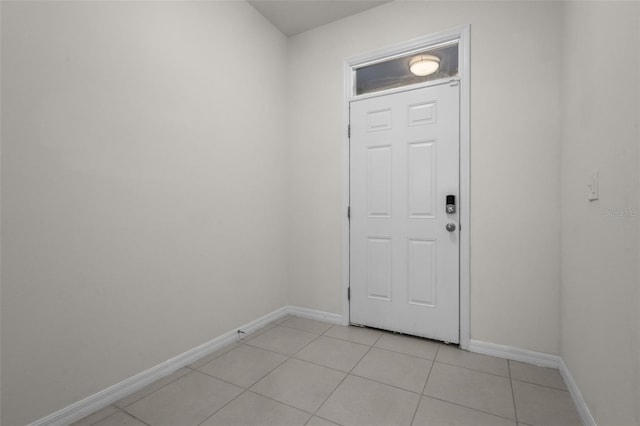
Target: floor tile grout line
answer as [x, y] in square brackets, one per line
[247, 389]
[335, 338]
[132, 415]
[513, 394]
[151, 393]
[290, 357]
[413, 418]
[104, 418]
[280, 402]
[124, 408]
[345, 377]
[323, 418]
[222, 408]
[93, 423]
[473, 369]
[353, 341]
[321, 365]
[326, 366]
[470, 408]
[287, 357]
[234, 384]
[433, 362]
[386, 384]
[333, 368]
[404, 353]
[261, 377]
[245, 338]
[301, 329]
[466, 406]
[538, 384]
[260, 347]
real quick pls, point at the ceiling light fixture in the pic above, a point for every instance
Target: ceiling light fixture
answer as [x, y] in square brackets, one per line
[424, 65]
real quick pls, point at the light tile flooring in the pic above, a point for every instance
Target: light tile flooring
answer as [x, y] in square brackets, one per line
[303, 372]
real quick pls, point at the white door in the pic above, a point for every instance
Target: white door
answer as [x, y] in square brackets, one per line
[404, 262]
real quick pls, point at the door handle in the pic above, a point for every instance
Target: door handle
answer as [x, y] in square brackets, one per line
[450, 227]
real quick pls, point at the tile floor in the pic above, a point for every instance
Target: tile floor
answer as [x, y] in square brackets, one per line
[304, 372]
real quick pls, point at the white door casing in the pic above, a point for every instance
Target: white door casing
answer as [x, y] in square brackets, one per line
[404, 161]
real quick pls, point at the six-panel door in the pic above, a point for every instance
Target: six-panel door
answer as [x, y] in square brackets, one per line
[404, 161]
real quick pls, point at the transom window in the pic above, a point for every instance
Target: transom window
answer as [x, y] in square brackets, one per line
[435, 63]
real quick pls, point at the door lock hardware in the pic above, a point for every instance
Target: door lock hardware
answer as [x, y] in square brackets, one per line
[451, 204]
[450, 227]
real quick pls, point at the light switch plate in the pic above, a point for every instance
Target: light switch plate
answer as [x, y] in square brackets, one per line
[592, 186]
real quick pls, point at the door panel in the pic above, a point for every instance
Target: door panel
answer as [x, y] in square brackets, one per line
[379, 181]
[421, 191]
[404, 161]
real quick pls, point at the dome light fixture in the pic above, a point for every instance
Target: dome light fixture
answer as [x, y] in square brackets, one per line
[422, 65]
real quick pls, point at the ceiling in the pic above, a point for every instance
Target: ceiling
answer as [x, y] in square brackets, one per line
[293, 17]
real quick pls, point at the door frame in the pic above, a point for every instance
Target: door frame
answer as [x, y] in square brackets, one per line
[461, 34]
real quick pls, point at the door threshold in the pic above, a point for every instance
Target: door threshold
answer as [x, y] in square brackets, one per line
[399, 333]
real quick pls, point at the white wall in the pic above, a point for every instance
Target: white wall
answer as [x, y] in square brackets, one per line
[600, 273]
[515, 236]
[144, 189]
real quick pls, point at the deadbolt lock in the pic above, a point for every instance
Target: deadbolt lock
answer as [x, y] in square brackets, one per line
[451, 204]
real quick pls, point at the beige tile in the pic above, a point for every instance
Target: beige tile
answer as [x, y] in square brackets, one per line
[434, 412]
[244, 365]
[299, 384]
[283, 340]
[308, 325]
[247, 336]
[147, 390]
[283, 319]
[360, 401]
[185, 402]
[119, 419]
[540, 405]
[318, 421]
[202, 361]
[334, 353]
[393, 368]
[250, 409]
[364, 336]
[408, 345]
[537, 375]
[475, 389]
[489, 364]
[96, 417]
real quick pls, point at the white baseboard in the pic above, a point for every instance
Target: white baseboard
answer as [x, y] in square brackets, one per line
[317, 315]
[576, 395]
[543, 360]
[516, 354]
[118, 391]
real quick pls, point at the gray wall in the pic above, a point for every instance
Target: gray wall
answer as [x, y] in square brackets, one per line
[600, 273]
[143, 189]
